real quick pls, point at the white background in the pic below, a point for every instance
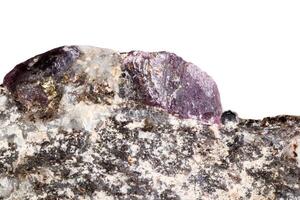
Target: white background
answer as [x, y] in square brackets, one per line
[251, 48]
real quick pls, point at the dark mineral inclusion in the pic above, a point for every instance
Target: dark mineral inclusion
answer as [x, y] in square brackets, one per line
[83, 122]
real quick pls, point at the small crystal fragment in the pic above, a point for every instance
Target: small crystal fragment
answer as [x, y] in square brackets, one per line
[228, 116]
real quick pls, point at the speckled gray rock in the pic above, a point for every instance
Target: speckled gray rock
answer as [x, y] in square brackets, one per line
[91, 123]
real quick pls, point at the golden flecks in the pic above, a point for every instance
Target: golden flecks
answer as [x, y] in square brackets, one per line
[98, 93]
[49, 88]
[65, 79]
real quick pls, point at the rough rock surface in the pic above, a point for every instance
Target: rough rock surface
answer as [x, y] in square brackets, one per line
[91, 123]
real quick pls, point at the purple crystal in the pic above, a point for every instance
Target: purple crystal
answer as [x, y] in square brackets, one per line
[163, 79]
[26, 80]
[52, 63]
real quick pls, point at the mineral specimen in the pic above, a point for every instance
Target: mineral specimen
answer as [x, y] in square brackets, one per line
[90, 123]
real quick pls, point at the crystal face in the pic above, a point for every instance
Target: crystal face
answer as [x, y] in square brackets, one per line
[166, 80]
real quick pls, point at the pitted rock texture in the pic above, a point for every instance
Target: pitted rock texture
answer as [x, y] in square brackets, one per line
[89, 133]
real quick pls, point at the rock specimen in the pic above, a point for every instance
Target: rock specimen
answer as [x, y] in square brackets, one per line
[90, 123]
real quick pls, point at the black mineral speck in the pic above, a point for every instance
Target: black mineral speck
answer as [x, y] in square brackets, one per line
[229, 116]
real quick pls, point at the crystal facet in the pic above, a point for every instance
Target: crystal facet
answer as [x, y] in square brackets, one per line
[166, 80]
